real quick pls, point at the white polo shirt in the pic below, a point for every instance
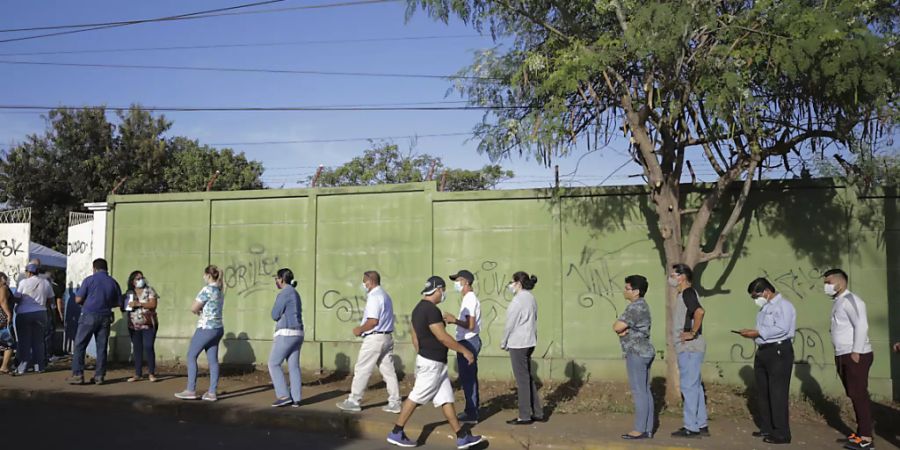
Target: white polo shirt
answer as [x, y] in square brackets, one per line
[470, 306]
[379, 306]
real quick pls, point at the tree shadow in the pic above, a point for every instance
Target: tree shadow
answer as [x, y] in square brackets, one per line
[239, 358]
[341, 371]
[575, 373]
[748, 376]
[826, 407]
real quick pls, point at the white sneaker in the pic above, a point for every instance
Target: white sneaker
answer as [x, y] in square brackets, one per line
[209, 397]
[348, 405]
[392, 408]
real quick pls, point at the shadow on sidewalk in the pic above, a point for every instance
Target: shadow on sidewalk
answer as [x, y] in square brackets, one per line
[427, 430]
[658, 391]
[812, 391]
[246, 391]
[322, 397]
[886, 420]
[748, 376]
[340, 373]
[565, 391]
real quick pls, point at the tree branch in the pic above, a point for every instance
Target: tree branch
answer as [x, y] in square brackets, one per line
[735, 212]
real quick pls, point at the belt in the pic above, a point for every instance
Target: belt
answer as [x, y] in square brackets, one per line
[377, 332]
[773, 344]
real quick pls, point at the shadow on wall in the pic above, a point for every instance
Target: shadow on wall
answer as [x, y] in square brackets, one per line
[748, 376]
[340, 373]
[658, 391]
[239, 358]
[811, 390]
[576, 376]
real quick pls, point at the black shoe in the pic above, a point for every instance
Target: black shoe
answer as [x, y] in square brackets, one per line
[518, 421]
[640, 436]
[776, 440]
[704, 431]
[761, 434]
[99, 380]
[538, 419]
[685, 433]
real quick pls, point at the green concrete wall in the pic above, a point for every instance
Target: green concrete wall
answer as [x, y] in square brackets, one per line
[580, 243]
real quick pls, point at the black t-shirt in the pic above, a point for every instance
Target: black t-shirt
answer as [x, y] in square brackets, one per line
[423, 315]
[692, 303]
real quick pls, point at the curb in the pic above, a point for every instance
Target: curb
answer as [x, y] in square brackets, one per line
[346, 425]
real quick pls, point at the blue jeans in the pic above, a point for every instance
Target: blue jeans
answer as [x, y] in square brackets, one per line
[639, 381]
[468, 375]
[208, 340]
[90, 325]
[286, 347]
[692, 390]
[30, 350]
[142, 344]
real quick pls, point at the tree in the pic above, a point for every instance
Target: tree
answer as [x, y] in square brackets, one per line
[755, 85]
[82, 156]
[385, 164]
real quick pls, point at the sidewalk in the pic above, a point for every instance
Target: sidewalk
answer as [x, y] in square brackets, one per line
[245, 399]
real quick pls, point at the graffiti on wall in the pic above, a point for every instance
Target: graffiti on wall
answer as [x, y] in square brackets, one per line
[809, 348]
[252, 272]
[597, 283]
[348, 309]
[796, 282]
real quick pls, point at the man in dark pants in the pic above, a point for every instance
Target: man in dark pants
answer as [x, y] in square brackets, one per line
[852, 354]
[776, 324]
[98, 294]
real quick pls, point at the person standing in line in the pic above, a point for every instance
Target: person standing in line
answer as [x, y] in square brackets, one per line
[468, 328]
[687, 329]
[776, 323]
[633, 329]
[6, 343]
[288, 316]
[519, 339]
[377, 348]
[34, 293]
[431, 341]
[98, 295]
[210, 329]
[853, 355]
[139, 306]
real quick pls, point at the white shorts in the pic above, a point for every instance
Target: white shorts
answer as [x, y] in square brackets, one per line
[432, 383]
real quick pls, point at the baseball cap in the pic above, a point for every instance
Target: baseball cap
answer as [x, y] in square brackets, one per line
[433, 284]
[464, 274]
[32, 268]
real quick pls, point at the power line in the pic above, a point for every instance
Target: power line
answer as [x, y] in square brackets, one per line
[267, 109]
[100, 26]
[355, 139]
[248, 45]
[219, 12]
[249, 70]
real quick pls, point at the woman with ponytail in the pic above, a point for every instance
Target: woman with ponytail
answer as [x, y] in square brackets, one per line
[208, 305]
[519, 339]
[288, 316]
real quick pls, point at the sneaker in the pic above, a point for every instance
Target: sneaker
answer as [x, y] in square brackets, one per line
[278, 403]
[465, 418]
[186, 395]
[99, 380]
[348, 405]
[685, 433]
[134, 378]
[295, 405]
[399, 439]
[74, 379]
[393, 408]
[210, 397]
[468, 440]
[704, 431]
[860, 444]
[152, 378]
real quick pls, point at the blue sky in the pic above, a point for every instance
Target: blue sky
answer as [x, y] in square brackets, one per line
[285, 164]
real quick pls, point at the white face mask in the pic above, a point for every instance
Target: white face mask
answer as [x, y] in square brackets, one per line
[760, 301]
[511, 287]
[458, 286]
[830, 290]
[139, 283]
[443, 296]
[364, 288]
[673, 282]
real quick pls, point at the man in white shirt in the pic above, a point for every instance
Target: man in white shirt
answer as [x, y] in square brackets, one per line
[852, 353]
[468, 328]
[377, 348]
[31, 319]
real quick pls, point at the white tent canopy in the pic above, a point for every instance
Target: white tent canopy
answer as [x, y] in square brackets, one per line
[48, 256]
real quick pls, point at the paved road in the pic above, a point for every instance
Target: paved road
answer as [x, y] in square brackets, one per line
[30, 425]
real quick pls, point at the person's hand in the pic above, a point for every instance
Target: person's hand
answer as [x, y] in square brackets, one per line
[623, 332]
[897, 347]
[469, 357]
[449, 318]
[687, 336]
[749, 333]
[357, 331]
[855, 357]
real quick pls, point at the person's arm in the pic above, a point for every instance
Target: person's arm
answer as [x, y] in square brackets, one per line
[693, 306]
[372, 311]
[512, 315]
[279, 307]
[4, 305]
[60, 309]
[440, 332]
[82, 292]
[856, 313]
[623, 323]
[367, 326]
[152, 299]
[200, 301]
[415, 339]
